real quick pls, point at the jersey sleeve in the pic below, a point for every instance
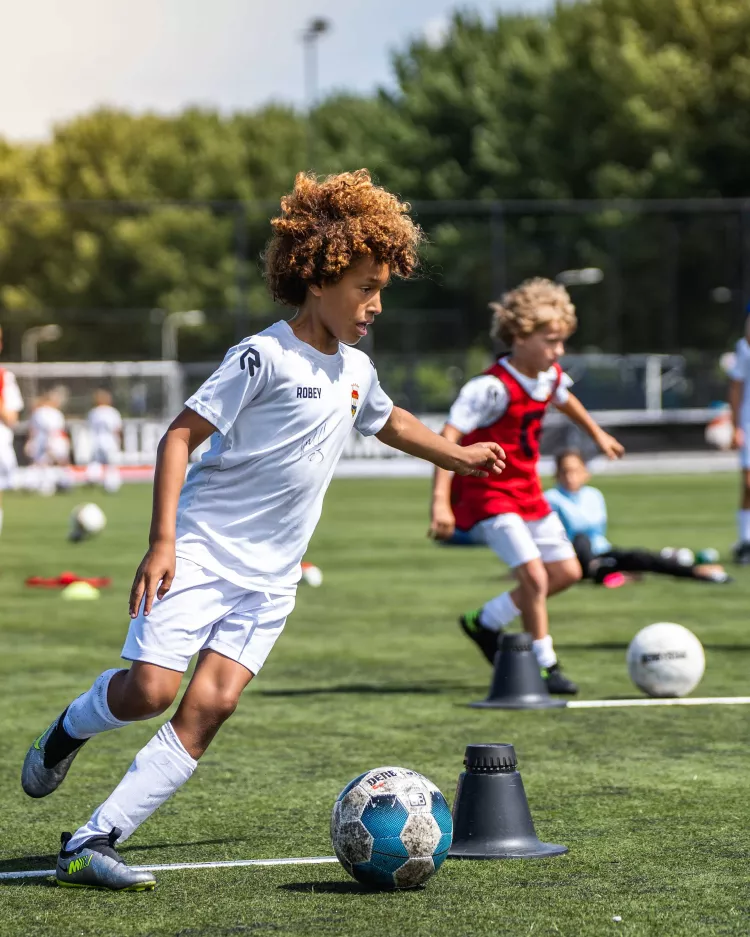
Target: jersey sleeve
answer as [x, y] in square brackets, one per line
[12, 398]
[375, 410]
[563, 389]
[241, 378]
[738, 371]
[481, 402]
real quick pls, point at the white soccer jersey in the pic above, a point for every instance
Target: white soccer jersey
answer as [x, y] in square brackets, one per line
[10, 397]
[484, 399]
[740, 371]
[47, 426]
[105, 424]
[283, 411]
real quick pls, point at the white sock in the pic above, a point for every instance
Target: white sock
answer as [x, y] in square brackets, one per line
[743, 526]
[544, 652]
[90, 714]
[159, 769]
[1, 520]
[499, 612]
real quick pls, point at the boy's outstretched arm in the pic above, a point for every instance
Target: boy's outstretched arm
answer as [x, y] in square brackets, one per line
[575, 411]
[186, 433]
[405, 432]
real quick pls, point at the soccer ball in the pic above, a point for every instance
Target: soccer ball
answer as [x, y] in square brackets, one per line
[666, 659]
[719, 432]
[86, 520]
[391, 828]
[312, 575]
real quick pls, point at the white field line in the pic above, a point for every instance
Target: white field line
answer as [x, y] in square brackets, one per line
[681, 701]
[310, 860]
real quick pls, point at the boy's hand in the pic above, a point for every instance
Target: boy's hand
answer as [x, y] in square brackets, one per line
[738, 438]
[480, 460]
[157, 566]
[611, 448]
[442, 523]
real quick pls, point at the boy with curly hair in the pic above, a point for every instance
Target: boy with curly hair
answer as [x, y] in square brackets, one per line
[509, 513]
[221, 571]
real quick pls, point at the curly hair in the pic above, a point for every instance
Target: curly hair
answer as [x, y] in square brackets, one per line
[530, 306]
[327, 225]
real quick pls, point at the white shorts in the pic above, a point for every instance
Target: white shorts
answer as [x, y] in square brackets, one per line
[8, 468]
[202, 610]
[517, 541]
[104, 455]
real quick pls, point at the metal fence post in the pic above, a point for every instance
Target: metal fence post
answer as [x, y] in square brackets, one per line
[497, 249]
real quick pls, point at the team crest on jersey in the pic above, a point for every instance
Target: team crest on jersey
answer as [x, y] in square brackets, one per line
[355, 398]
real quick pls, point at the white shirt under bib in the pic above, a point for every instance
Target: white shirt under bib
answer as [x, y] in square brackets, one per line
[484, 399]
[283, 411]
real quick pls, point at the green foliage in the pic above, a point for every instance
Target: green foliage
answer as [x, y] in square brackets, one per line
[597, 99]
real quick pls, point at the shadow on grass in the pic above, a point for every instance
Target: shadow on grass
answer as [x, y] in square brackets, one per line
[29, 882]
[374, 688]
[196, 842]
[334, 888]
[623, 646]
[40, 863]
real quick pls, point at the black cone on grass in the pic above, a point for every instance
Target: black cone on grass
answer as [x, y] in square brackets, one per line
[491, 816]
[517, 682]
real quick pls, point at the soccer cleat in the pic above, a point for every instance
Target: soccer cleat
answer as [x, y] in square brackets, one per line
[484, 638]
[742, 554]
[557, 682]
[41, 775]
[96, 864]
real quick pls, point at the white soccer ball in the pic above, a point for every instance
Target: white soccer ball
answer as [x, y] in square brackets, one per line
[666, 659]
[312, 575]
[685, 556]
[86, 520]
[719, 432]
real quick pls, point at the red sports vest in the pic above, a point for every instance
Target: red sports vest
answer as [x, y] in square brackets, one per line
[518, 489]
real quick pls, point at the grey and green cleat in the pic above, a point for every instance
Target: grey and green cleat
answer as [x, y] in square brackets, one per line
[96, 864]
[557, 682]
[484, 638]
[48, 760]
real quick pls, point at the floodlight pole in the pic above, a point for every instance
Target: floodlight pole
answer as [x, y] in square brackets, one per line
[314, 30]
[30, 341]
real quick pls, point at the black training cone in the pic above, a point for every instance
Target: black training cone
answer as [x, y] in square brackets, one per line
[491, 817]
[517, 682]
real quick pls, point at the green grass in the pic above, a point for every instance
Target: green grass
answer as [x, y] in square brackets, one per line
[373, 670]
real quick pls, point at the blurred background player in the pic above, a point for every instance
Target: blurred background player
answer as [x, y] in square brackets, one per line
[105, 429]
[506, 405]
[583, 513]
[739, 402]
[48, 445]
[11, 405]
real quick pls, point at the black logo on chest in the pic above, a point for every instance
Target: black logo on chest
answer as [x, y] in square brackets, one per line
[309, 393]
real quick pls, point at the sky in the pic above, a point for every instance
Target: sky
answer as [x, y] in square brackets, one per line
[64, 57]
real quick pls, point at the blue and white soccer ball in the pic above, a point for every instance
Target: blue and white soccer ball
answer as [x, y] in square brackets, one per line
[391, 828]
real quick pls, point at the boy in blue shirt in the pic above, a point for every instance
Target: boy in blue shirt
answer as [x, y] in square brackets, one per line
[583, 512]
